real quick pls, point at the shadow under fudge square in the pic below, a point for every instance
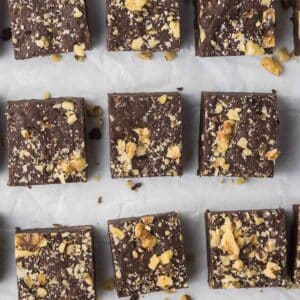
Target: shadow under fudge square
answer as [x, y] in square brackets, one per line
[46, 141]
[246, 249]
[42, 28]
[231, 28]
[148, 254]
[55, 263]
[142, 25]
[145, 135]
[238, 134]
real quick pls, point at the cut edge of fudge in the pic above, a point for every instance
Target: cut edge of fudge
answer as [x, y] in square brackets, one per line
[296, 22]
[119, 234]
[33, 240]
[294, 245]
[146, 95]
[202, 121]
[42, 44]
[248, 47]
[55, 101]
[281, 215]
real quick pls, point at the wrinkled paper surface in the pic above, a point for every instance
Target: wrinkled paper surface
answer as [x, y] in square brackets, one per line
[102, 72]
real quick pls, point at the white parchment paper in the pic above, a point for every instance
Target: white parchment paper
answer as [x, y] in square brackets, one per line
[102, 72]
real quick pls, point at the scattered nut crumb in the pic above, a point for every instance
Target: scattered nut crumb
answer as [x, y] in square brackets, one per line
[95, 134]
[129, 183]
[272, 65]
[145, 55]
[170, 55]
[94, 111]
[185, 297]
[99, 200]
[240, 180]
[108, 284]
[56, 57]
[46, 95]
[282, 55]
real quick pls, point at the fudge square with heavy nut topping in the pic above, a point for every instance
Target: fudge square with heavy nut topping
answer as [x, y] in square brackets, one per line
[42, 28]
[46, 141]
[246, 248]
[234, 27]
[143, 25]
[148, 254]
[238, 134]
[55, 263]
[145, 134]
[295, 251]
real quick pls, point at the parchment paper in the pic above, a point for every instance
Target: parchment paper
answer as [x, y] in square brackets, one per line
[102, 72]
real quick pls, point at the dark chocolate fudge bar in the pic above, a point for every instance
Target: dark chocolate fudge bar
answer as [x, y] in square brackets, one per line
[297, 27]
[148, 254]
[46, 141]
[143, 25]
[55, 263]
[246, 248]
[145, 134]
[41, 28]
[296, 245]
[234, 27]
[238, 134]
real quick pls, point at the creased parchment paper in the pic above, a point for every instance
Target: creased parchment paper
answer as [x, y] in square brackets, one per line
[102, 72]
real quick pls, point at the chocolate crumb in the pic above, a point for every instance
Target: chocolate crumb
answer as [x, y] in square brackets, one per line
[134, 297]
[100, 199]
[136, 186]
[95, 134]
[6, 34]
[179, 88]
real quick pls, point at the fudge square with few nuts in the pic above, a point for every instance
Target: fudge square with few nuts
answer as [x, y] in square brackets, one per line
[46, 141]
[148, 254]
[246, 248]
[42, 28]
[143, 25]
[145, 134]
[238, 134]
[230, 28]
[55, 263]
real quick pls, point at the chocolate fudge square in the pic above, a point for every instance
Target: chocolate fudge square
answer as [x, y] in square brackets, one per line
[134, 25]
[148, 254]
[296, 245]
[42, 28]
[246, 248]
[238, 134]
[296, 4]
[145, 134]
[230, 28]
[46, 141]
[55, 263]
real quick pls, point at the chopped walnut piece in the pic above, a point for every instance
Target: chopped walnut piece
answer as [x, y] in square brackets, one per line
[137, 44]
[229, 244]
[117, 233]
[135, 5]
[79, 50]
[145, 55]
[42, 42]
[253, 49]
[272, 154]
[164, 281]
[185, 297]
[170, 55]
[224, 135]
[174, 152]
[175, 29]
[166, 257]
[56, 57]
[240, 180]
[272, 65]
[271, 269]
[149, 242]
[154, 262]
[148, 219]
[162, 99]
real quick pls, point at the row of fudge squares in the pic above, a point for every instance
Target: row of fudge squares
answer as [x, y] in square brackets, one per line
[222, 27]
[238, 137]
[244, 249]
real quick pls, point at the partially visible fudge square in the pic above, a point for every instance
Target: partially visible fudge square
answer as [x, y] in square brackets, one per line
[145, 134]
[238, 134]
[42, 28]
[246, 249]
[46, 141]
[231, 28]
[296, 4]
[148, 254]
[143, 25]
[296, 245]
[55, 263]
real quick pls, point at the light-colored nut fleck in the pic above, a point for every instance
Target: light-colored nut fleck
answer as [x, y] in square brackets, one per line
[165, 257]
[137, 44]
[224, 135]
[269, 41]
[185, 297]
[272, 66]
[269, 15]
[88, 279]
[272, 154]
[233, 114]
[229, 244]
[148, 219]
[218, 108]
[175, 29]
[25, 133]
[149, 242]
[174, 152]
[202, 35]
[266, 2]
[42, 279]
[215, 239]
[135, 5]
[139, 230]
[41, 292]
[238, 265]
[62, 247]
[145, 55]
[117, 233]
[242, 142]
[135, 254]
[28, 281]
[77, 13]
[164, 282]
[162, 99]
[68, 105]
[42, 43]
[154, 262]
[170, 55]
[220, 162]
[253, 49]
[56, 57]
[78, 50]
[46, 95]
[240, 180]
[271, 270]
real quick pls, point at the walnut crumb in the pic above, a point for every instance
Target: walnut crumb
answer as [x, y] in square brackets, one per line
[170, 55]
[56, 57]
[46, 95]
[145, 55]
[272, 65]
[185, 297]
[240, 180]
